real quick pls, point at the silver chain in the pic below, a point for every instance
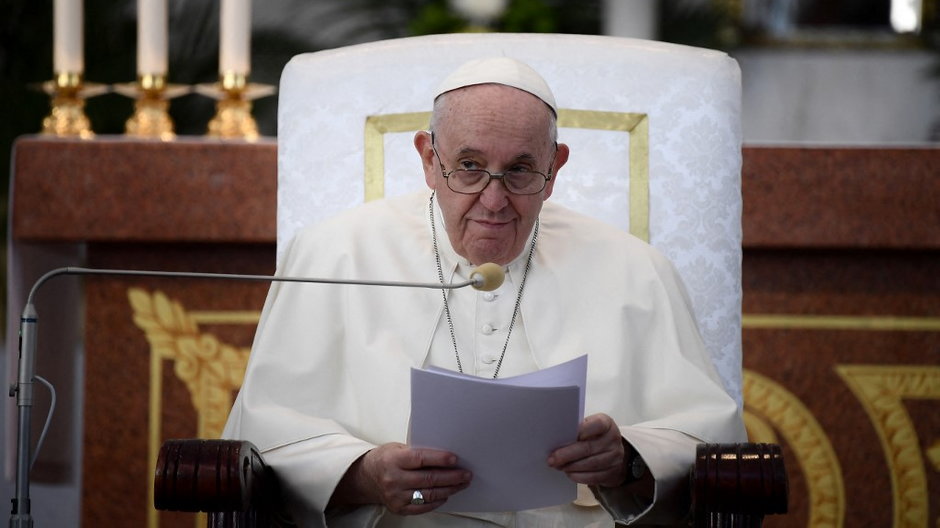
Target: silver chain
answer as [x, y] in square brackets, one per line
[440, 275]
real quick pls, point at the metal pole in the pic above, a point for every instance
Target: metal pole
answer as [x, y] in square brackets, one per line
[21, 516]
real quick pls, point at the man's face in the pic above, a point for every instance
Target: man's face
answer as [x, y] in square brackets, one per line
[497, 128]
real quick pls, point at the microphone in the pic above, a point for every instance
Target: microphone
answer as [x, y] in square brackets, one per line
[486, 277]
[489, 276]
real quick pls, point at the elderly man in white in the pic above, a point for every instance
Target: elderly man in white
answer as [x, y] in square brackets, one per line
[326, 393]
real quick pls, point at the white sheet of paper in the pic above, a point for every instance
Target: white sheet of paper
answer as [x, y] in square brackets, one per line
[503, 431]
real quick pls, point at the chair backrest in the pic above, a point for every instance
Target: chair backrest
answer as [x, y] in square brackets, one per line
[654, 131]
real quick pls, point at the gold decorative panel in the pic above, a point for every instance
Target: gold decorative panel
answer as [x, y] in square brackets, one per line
[881, 390]
[771, 406]
[212, 370]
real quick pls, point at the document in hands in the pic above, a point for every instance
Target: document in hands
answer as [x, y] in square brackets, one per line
[503, 431]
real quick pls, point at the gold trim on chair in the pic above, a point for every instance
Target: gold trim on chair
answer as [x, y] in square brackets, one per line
[376, 128]
[636, 125]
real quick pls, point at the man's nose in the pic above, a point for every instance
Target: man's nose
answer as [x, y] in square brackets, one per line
[494, 196]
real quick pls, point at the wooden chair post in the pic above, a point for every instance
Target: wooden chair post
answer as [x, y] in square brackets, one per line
[735, 485]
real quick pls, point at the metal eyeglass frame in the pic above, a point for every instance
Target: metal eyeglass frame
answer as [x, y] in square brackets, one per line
[492, 176]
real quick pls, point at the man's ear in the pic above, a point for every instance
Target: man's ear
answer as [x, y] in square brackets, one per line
[561, 157]
[428, 162]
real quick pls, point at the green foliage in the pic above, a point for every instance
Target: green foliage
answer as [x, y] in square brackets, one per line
[529, 16]
[436, 18]
[521, 16]
[702, 24]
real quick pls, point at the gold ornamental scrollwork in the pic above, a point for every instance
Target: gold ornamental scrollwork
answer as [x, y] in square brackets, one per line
[768, 404]
[211, 370]
[881, 389]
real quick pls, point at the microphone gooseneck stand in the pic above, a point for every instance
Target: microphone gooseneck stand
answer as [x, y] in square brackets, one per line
[486, 277]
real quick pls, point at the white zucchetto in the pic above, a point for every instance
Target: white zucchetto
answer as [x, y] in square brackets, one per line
[499, 70]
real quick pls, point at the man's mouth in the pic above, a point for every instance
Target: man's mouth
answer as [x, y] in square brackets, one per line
[493, 224]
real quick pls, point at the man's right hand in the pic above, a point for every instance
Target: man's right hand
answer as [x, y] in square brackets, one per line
[391, 473]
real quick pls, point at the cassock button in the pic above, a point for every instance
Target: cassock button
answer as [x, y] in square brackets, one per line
[488, 359]
[489, 296]
[487, 329]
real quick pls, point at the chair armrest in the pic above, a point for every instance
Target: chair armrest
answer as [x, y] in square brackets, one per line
[741, 481]
[731, 483]
[227, 478]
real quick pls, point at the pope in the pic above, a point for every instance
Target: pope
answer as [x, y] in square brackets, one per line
[326, 393]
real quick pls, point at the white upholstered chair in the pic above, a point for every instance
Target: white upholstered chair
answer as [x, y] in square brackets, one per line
[654, 131]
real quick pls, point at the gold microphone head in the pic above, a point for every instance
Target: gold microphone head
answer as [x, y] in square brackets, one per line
[487, 277]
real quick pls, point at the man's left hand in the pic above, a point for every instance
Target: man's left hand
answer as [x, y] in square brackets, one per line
[597, 457]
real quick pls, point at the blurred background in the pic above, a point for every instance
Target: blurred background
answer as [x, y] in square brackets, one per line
[821, 71]
[835, 72]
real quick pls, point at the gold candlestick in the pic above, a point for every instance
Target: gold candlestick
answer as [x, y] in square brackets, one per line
[67, 117]
[233, 119]
[151, 119]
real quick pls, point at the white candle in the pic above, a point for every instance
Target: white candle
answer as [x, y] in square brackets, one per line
[151, 37]
[235, 37]
[68, 54]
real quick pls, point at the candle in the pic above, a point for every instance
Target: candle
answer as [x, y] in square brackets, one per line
[68, 54]
[151, 37]
[235, 37]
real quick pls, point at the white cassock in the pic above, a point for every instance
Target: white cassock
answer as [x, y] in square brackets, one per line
[328, 378]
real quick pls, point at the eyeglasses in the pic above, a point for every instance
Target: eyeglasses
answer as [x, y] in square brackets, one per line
[473, 181]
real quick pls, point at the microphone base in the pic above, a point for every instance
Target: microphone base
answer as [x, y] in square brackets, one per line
[20, 520]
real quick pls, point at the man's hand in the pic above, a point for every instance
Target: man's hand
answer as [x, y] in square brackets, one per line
[391, 473]
[597, 458]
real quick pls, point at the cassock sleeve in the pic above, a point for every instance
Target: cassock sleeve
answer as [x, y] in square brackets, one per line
[668, 456]
[301, 467]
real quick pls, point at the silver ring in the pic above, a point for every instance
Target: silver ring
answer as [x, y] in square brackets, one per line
[417, 498]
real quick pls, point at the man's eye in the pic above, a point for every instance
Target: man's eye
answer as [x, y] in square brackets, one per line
[469, 165]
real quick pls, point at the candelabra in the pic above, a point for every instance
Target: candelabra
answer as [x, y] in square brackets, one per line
[234, 94]
[151, 118]
[67, 117]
